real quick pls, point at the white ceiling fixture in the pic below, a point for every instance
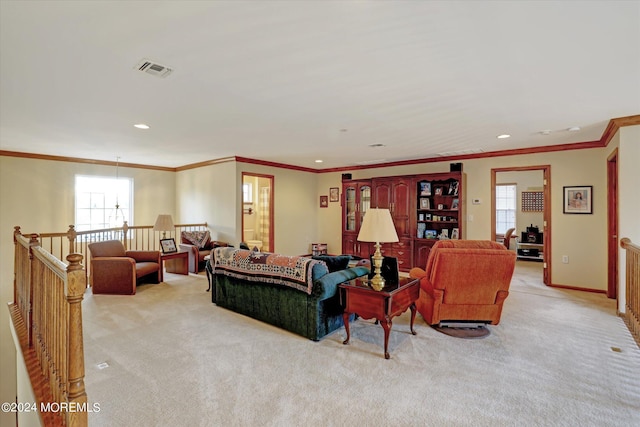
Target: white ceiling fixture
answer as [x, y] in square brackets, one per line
[141, 126]
[504, 136]
[153, 68]
[574, 129]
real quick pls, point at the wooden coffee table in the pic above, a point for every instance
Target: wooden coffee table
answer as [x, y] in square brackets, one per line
[359, 298]
[176, 262]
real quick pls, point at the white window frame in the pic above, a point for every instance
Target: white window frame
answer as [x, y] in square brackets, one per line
[506, 205]
[96, 198]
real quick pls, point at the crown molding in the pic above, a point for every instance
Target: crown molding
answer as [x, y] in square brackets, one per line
[612, 128]
[80, 160]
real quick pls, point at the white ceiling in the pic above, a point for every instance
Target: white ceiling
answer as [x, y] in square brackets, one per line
[296, 81]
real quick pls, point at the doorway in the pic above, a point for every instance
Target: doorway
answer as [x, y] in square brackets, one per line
[612, 221]
[257, 211]
[544, 227]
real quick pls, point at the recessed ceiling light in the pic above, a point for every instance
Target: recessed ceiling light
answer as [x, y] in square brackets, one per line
[574, 129]
[141, 126]
[503, 136]
[319, 161]
[376, 145]
[545, 132]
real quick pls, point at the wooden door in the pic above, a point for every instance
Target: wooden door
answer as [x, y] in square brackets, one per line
[612, 221]
[401, 205]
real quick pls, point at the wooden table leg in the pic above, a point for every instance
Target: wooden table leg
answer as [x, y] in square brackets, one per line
[413, 316]
[386, 325]
[345, 318]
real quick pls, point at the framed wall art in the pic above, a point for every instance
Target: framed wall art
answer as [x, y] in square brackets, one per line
[532, 201]
[578, 199]
[334, 194]
[324, 201]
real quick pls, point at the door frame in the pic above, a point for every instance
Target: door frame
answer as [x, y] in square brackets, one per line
[271, 208]
[546, 213]
[612, 225]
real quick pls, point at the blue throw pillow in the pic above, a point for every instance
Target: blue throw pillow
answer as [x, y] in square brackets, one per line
[334, 263]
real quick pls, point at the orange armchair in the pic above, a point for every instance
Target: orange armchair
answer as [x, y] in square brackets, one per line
[116, 271]
[464, 281]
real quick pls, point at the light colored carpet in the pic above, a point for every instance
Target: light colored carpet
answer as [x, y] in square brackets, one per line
[176, 359]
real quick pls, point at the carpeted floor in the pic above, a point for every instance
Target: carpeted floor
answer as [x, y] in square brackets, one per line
[558, 358]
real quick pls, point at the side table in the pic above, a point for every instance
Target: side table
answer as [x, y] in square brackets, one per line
[176, 262]
[359, 298]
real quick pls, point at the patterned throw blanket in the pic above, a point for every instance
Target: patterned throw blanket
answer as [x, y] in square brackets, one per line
[292, 271]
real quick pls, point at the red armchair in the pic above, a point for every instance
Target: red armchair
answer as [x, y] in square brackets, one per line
[199, 245]
[116, 271]
[464, 281]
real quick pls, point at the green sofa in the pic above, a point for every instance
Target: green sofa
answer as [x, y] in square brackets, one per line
[298, 294]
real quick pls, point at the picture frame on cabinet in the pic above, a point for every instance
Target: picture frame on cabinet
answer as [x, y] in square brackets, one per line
[425, 188]
[425, 203]
[454, 204]
[455, 233]
[453, 188]
[439, 191]
[430, 234]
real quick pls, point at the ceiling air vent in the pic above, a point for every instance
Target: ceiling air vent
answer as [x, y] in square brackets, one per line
[153, 68]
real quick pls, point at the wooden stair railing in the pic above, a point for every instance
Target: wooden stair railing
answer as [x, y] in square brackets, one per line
[631, 315]
[46, 311]
[47, 316]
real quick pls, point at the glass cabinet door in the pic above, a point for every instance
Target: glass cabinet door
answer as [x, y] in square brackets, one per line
[365, 202]
[350, 209]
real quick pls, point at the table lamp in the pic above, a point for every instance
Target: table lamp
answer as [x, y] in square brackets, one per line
[164, 223]
[377, 226]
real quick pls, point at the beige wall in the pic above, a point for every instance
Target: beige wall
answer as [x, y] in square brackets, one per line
[209, 194]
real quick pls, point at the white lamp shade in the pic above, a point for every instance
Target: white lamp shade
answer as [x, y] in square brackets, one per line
[164, 223]
[377, 226]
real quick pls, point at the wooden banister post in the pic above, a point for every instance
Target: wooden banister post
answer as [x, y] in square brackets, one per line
[72, 234]
[77, 396]
[125, 232]
[33, 242]
[16, 233]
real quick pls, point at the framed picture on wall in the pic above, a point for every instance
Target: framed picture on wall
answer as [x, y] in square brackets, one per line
[334, 194]
[324, 201]
[578, 199]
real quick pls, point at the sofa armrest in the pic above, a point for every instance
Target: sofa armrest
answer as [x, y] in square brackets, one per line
[113, 275]
[144, 256]
[327, 285]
